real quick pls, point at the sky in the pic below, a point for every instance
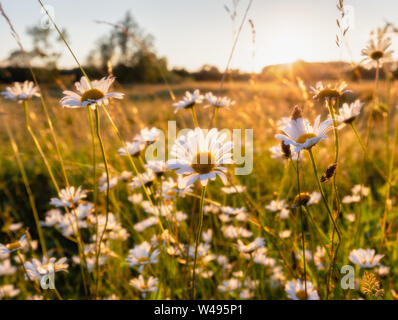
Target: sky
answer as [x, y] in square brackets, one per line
[191, 33]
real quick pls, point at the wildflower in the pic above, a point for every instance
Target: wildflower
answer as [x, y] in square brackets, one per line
[11, 247]
[285, 234]
[383, 271]
[8, 291]
[246, 294]
[207, 235]
[37, 270]
[360, 189]
[365, 258]
[147, 179]
[348, 112]
[250, 247]
[329, 92]
[21, 91]
[125, 176]
[144, 224]
[188, 101]
[283, 151]
[211, 208]
[141, 255]
[158, 167]
[90, 94]
[296, 290]
[276, 205]
[229, 285]
[201, 156]
[319, 258]
[377, 52]
[6, 269]
[232, 232]
[350, 217]
[329, 173]
[133, 148]
[143, 285]
[233, 189]
[68, 197]
[103, 184]
[307, 199]
[370, 286]
[218, 102]
[148, 136]
[302, 135]
[136, 198]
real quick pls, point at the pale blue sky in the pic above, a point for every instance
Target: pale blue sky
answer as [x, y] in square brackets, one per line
[191, 33]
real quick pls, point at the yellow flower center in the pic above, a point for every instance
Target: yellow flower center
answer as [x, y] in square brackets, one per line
[14, 246]
[302, 199]
[302, 295]
[143, 260]
[304, 137]
[203, 162]
[91, 94]
[377, 54]
[328, 93]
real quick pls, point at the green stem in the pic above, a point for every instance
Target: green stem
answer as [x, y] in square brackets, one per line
[28, 190]
[194, 117]
[98, 131]
[197, 241]
[333, 254]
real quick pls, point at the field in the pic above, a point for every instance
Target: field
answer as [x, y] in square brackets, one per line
[87, 213]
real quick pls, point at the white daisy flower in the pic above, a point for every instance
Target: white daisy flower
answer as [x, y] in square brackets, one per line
[188, 101]
[302, 135]
[277, 153]
[14, 246]
[143, 285]
[360, 189]
[276, 205]
[103, 184]
[141, 255]
[348, 112]
[144, 224]
[319, 258]
[6, 269]
[147, 179]
[229, 285]
[250, 247]
[329, 92]
[296, 290]
[133, 148]
[170, 189]
[377, 52]
[285, 234]
[201, 156]
[365, 258]
[68, 197]
[21, 91]
[148, 136]
[94, 94]
[218, 102]
[8, 291]
[37, 270]
[233, 189]
[158, 167]
[207, 235]
[350, 217]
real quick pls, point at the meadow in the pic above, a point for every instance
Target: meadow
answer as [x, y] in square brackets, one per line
[86, 214]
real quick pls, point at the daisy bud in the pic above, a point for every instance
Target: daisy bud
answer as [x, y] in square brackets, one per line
[297, 113]
[329, 173]
[302, 199]
[287, 153]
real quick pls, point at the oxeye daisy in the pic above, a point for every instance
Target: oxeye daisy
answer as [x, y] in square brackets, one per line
[329, 92]
[141, 255]
[148, 136]
[14, 246]
[68, 197]
[296, 290]
[377, 51]
[134, 148]
[143, 285]
[348, 112]
[365, 258]
[36, 270]
[188, 101]
[301, 134]
[21, 91]
[218, 102]
[200, 156]
[90, 94]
